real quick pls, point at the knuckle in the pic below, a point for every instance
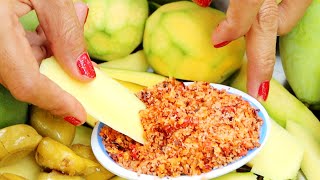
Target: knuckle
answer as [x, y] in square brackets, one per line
[267, 61]
[268, 15]
[71, 37]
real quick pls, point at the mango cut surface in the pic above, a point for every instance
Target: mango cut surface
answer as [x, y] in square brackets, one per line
[103, 98]
[281, 156]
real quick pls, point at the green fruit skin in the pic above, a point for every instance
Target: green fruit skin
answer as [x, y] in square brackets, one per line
[281, 105]
[12, 111]
[300, 54]
[29, 21]
[114, 28]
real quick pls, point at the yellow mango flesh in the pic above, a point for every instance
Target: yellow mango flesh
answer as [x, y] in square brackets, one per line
[103, 98]
[281, 156]
[91, 121]
[136, 62]
[311, 158]
[142, 78]
[177, 43]
[237, 176]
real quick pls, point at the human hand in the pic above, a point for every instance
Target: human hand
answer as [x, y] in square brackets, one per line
[60, 34]
[260, 21]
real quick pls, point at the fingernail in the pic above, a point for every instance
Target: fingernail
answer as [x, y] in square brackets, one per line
[85, 65]
[264, 90]
[72, 120]
[85, 20]
[221, 44]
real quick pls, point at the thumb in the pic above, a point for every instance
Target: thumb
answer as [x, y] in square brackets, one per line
[261, 50]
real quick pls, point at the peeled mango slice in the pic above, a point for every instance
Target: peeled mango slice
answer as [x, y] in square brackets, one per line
[129, 85]
[311, 158]
[147, 79]
[136, 62]
[103, 98]
[281, 156]
[237, 176]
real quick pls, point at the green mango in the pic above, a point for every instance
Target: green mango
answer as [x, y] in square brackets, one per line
[29, 21]
[114, 29]
[300, 55]
[281, 105]
[12, 111]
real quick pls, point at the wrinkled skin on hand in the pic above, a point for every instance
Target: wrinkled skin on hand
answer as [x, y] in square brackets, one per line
[260, 21]
[60, 33]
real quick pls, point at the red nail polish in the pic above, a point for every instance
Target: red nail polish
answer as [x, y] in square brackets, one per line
[264, 90]
[72, 120]
[85, 65]
[221, 44]
[85, 20]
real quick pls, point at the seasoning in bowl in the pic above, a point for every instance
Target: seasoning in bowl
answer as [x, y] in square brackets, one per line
[189, 130]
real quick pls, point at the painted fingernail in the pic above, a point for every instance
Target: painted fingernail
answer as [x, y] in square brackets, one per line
[264, 90]
[85, 20]
[221, 44]
[72, 120]
[85, 65]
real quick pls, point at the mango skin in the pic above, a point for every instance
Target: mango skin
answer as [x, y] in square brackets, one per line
[177, 43]
[12, 111]
[281, 105]
[29, 21]
[299, 51]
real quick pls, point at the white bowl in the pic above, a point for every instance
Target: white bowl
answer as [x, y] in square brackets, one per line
[106, 161]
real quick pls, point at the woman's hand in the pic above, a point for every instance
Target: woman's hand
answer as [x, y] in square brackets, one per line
[260, 21]
[60, 33]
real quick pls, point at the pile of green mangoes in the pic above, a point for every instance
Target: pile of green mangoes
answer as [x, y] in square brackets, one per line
[139, 43]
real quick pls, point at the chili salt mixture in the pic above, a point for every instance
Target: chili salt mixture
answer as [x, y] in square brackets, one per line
[189, 130]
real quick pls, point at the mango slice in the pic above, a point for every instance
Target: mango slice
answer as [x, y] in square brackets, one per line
[237, 176]
[104, 99]
[311, 158]
[147, 79]
[281, 156]
[136, 62]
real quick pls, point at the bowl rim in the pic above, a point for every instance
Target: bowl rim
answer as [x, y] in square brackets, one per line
[106, 161]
